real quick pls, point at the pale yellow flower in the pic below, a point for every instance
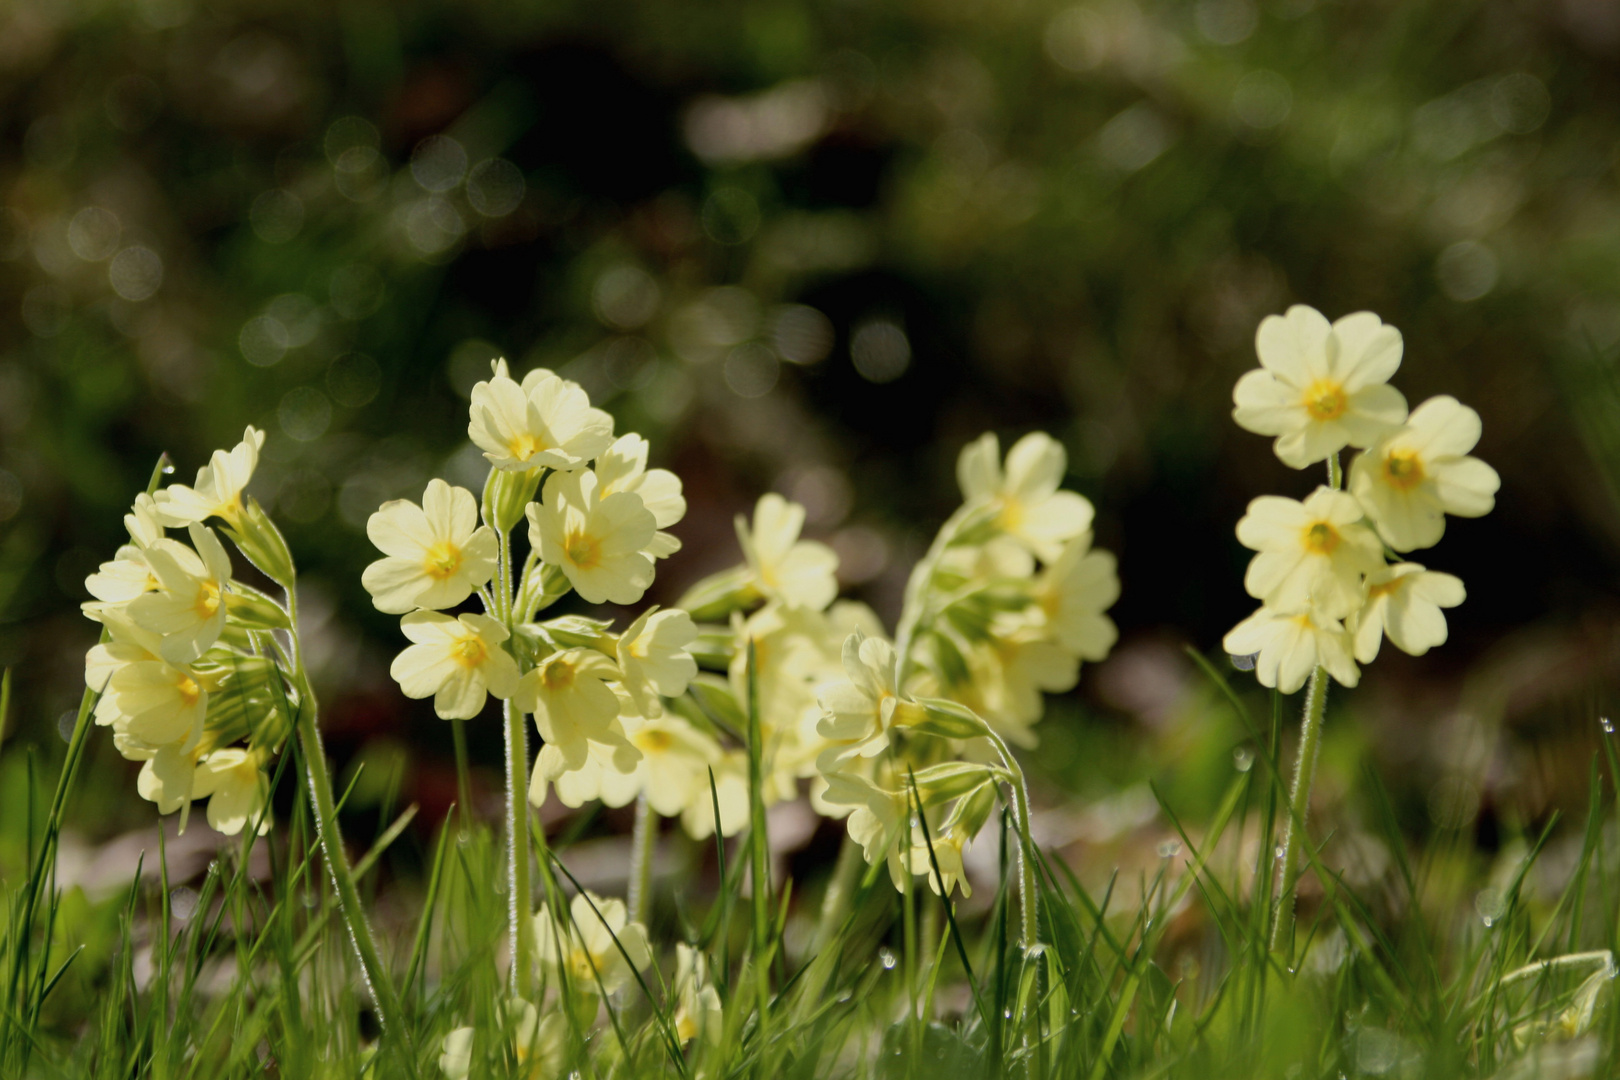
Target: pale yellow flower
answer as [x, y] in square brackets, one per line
[539, 1044]
[1403, 604]
[875, 814]
[167, 777]
[1321, 388]
[188, 608]
[592, 944]
[673, 770]
[1071, 596]
[1312, 554]
[219, 487]
[654, 659]
[437, 553]
[609, 763]
[623, 467]
[151, 703]
[794, 572]
[731, 790]
[1011, 673]
[237, 790]
[456, 660]
[573, 706]
[144, 521]
[698, 1012]
[547, 422]
[1288, 647]
[860, 710]
[596, 540]
[1408, 483]
[120, 580]
[1030, 507]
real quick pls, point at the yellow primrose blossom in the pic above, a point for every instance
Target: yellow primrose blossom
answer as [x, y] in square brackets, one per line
[153, 704]
[455, 660]
[219, 486]
[861, 709]
[596, 540]
[120, 579]
[573, 705]
[1311, 553]
[610, 760]
[1321, 387]
[1072, 594]
[730, 790]
[1287, 647]
[1403, 604]
[698, 1012]
[188, 608]
[539, 1044]
[437, 553]
[1031, 508]
[875, 815]
[623, 467]
[1408, 482]
[793, 572]
[237, 790]
[1011, 673]
[673, 770]
[144, 521]
[592, 944]
[653, 658]
[167, 776]
[547, 422]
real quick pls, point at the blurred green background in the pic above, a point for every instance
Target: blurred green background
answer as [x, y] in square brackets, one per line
[815, 247]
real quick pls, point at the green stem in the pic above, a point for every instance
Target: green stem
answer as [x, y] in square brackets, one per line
[1299, 804]
[840, 888]
[458, 736]
[1030, 926]
[1335, 472]
[642, 840]
[520, 891]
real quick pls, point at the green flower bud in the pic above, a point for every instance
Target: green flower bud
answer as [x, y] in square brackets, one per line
[258, 539]
[506, 494]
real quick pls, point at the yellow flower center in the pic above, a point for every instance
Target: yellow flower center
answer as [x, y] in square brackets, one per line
[207, 604]
[189, 690]
[470, 652]
[1383, 588]
[524, 445]
[1326, 400]
[1403, 469]
[442, 560]
[558, 675]
[582, 965]
[653, 740]
[1321, 538]
[583, 550]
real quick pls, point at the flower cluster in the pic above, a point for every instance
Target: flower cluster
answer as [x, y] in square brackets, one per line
[1330, 571]
[192, 680]
[596, 519]
[1005, 606]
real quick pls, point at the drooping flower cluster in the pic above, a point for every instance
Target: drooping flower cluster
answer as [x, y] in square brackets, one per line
[1005, 606]
[596, 520]
[1329, 571]
[191, 680]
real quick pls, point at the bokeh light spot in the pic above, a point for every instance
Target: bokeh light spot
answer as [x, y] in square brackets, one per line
[304, 413]
[880, 350]
[136, 273]
[276, 215]
[263, 341]
[1467, 270]
[438, 163]
[353, 380]
[751, 370]
[93, 234]
[495, 187]
[625, 297]
[801, 334]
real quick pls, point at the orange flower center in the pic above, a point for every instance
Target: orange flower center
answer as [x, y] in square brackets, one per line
[1403, 469]
[1321, 538]
[442, 560]
[558, 675]
[1326, 400]
[583, 550]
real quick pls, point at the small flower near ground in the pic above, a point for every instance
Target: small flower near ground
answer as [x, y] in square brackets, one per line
[594, 942]
[1321, 387]
[218, 492]
[1403, 604]
[875, 815]
[539, 1044]
[573, 705]
[456, 660]
[1408, 482]
[1311, 553]
[596, 540]
[673, 770]
[1290, 646]
[784, 568]
[437, 553]
[698, 1012]
[153, 704]
[237, 790]
[1030, 507]
[547, 422]
[654, 660]
[730, 790]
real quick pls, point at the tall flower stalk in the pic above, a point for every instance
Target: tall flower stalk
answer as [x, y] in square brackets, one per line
[1329, 571]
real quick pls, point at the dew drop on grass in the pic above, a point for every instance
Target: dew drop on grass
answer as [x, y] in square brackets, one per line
[1169, 849]
[1245, 662]
[1608, 725]
[183, 903]
[1242, 759]
[887, 958]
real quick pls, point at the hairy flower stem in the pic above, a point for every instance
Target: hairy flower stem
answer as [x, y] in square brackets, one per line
[519, 890]
[642, 840]
[1299, 804]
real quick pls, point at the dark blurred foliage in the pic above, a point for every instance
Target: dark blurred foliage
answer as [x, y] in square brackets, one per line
[816, 247]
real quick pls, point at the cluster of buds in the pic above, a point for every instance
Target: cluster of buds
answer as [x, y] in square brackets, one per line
[193, 679]
[1331, 572]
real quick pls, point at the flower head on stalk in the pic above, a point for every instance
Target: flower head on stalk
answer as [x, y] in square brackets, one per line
[623, 467]
[436, 553]
[218, 492]
[1311, 554]
[1410, 480]
[455, 660]
[596, 941]
[598, 541]
[1030, 506]
[653, 658]
[546, 422]
[188, 607]
[1403, 604]
[784, 568]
